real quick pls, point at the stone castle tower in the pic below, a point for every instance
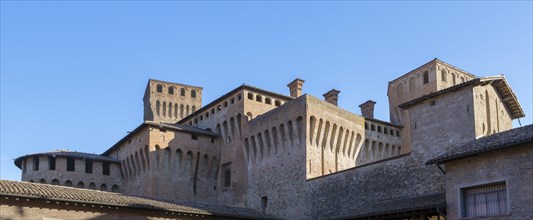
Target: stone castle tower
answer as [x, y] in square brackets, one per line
[169, 102]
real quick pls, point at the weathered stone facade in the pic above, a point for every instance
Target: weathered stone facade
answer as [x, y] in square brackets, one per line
[300, 157]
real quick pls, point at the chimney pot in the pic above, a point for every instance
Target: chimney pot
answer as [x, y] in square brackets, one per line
[367, 109]
[295, 87]
[332, 96]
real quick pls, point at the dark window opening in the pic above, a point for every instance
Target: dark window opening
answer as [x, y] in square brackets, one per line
[36, 163]
[268, 101]
[379, 128]
[194, 136]
[258, 98]
[225, 104]
[385, 131]
[366, 126]
[171, 90]
[106, 168]
[250, 96]
[227, 178]
[264, 202]
[88, 166]
[432, 103]
[397, 133]
[182, 92]
[232, 100]
[70, 164]
[159, 88]
[372, 127]
[426, 77]
[212, 140]
[239, 97]
[277, 103]
[193, 94]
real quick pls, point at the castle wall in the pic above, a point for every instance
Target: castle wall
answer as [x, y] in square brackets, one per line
[77, 178]
[274, 150]
[491, 114]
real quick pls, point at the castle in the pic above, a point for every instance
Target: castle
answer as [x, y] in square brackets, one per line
[296, 156]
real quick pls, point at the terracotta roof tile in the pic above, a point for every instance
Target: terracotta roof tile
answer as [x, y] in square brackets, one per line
[63, 193]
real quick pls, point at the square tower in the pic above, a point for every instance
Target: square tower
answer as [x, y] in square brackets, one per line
[170, 102]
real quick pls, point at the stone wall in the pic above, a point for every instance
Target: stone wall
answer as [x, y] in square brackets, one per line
[172, 102]
[514, 166]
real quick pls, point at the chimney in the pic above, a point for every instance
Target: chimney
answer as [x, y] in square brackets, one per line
[367, 109]
[332, 96]
[295, 87]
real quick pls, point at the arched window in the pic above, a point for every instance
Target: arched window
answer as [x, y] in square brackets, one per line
[159, 88]
[426, 77]
[68, 183]
[399, 90]
[268, 101]
[158, 107]
[411, 84]
[42, 181]
[182, 91]
[164, 109]
[92, 186]
[103, 187]
[115, 189]
[171, 90]
[444, 76]
[80, 185]
[193, 93]
[453, 79]
[462, 79]
[55, 182]
[170, 109]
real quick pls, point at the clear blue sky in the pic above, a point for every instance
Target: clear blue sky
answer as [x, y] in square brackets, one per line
[73, 73]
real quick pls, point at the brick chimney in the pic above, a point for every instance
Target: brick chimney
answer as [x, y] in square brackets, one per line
[332, 96]
[367, 109]
[295, 87]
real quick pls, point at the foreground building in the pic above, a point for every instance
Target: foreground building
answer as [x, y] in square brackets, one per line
[297, 156]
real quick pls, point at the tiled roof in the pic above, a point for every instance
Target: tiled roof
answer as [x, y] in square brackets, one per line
[64, 153]
[499, 82]
[63, 193]
[405, 204]
[510, 138]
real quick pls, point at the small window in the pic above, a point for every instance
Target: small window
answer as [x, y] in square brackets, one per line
[379, 128]
[277, 103]
[193, 93]
[207, 114]
[219, 107]
[227, 175]
[385, 131]
[171, 90]
[55, 182]
[70, 164]
[372, 128]
[106, 168]
[444, 76]
[115, 189]
[68, 183]
[232, 100]
[250, 96]
[426, 77]
[397, 133]
[182, 91]
[212, 111]
[194, 136]
[51, 163]
[159, 88]
[88, 166]
[212, 140]
[412, 84]
[366, 126]
[432, 103]
[225, 104]
[201, 117]
[36, 163]
[484, 200]
[103, 187]
[239, 97]
[259, 98]
[268, 101]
